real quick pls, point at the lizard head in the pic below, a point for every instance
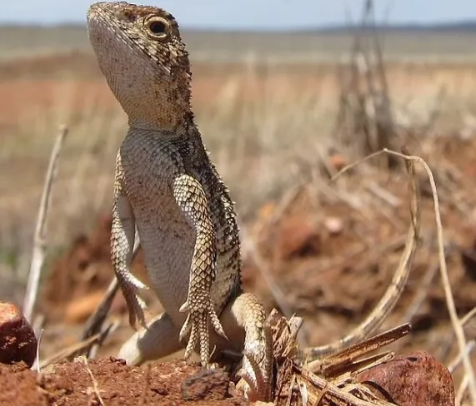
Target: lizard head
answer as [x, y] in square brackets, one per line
[140, 52]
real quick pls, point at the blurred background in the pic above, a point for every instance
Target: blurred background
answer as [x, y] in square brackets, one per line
[286, 94]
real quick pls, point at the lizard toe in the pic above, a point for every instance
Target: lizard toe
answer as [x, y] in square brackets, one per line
[136, 308]
[254, 380]
[197, 324]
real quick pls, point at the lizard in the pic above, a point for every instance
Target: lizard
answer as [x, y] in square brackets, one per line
[168, 189]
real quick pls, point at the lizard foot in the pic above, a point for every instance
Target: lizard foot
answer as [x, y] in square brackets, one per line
[255, 376]
[135, 304]
[197, 324]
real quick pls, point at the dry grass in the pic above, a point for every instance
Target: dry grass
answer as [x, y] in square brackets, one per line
[254, 116]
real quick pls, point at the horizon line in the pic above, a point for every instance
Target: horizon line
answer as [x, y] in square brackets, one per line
[455, 24]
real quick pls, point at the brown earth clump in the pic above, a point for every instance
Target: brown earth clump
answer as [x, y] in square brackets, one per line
[111, 382]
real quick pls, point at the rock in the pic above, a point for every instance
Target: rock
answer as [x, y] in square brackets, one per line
[17, 339]
[297, 237]
[207, 384]
[414, 379]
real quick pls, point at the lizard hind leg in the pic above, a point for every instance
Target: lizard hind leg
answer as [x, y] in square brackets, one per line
[159, 339]
[248, 314]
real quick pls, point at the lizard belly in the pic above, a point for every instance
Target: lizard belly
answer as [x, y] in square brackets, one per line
[168, 242]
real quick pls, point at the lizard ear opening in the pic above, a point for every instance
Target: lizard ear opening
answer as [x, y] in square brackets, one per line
[157, 27]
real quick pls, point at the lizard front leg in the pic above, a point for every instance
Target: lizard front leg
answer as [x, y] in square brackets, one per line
[122, 245]
[191, 199]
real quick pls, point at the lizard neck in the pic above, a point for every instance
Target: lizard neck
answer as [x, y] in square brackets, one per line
[158, 104]
[154, 97]
[174, 122]
[178, 127]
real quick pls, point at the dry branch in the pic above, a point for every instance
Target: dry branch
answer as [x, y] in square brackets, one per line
[39, 242]
[365, 119]
[80, 348]
[334, 383]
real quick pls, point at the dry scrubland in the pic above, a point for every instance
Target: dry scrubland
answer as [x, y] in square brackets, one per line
[269, 123]
[256, 113]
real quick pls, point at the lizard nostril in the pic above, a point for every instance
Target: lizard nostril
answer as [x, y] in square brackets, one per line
[128, 15]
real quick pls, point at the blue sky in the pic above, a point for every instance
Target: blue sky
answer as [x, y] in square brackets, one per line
[256, 14]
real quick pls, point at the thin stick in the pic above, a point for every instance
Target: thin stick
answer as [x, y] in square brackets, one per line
[39, 242]
[457, 327]
[36, 364]
[77, 349]
[331, 392]
[96, 320]
[455, 363]
[330, 364]
[94, 382]
[468, 316]
[461, 391]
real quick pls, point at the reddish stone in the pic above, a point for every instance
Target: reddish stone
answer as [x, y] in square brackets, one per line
[17, 339]
[414, 379]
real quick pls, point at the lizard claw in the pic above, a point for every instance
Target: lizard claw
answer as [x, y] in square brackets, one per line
[185, 307]
[254, 382]
[257, 369]
[134, 302]
[197, 324]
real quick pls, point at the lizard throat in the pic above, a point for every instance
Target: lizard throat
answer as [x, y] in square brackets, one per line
[176, 125]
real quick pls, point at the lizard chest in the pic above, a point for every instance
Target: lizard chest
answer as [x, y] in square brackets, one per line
[166, 237]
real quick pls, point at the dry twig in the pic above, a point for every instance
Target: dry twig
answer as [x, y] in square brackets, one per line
[95, 383]
[345, 359]
[143, 399]
[39, 242]
[79, 348]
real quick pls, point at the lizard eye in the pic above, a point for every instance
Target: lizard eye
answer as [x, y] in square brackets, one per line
[157, 27]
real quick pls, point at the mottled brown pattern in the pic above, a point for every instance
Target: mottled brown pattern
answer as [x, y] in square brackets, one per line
[168, 189]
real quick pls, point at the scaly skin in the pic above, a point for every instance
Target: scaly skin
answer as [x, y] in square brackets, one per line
[167, 187]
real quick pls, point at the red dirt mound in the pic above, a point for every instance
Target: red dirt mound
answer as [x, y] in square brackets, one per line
[103, 381]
